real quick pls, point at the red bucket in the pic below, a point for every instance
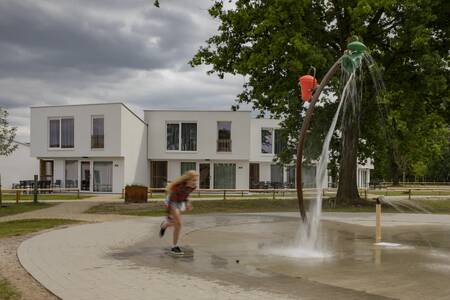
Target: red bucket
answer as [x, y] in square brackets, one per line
[307, 84]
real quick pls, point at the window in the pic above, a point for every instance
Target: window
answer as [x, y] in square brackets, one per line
[61, 133]
[224, 136]
[173, 133]
[224, 176]
[71, 172]
[276, 174]
[266, 140]
[98, 133]
[273, 141]
[103, 176]
[188, 136]
[279, 141]
[187, 139]
[187, 166]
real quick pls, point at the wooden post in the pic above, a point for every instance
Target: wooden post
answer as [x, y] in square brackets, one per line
[17, 196]
[1, 197]
[224, 194]
[273, 197]
[378, 222]
[35, 189]
[365, 194]
[242, 193]
[409, 194]
[78, 193]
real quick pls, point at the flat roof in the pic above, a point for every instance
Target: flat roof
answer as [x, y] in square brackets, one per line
[196, 110]
[91, 104]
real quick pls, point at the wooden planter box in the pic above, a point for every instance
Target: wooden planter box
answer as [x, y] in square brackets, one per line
[136, 194]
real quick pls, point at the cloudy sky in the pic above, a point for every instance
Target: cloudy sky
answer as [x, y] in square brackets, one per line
[86, 51]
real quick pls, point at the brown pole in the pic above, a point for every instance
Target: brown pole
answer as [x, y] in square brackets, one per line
[302, 135]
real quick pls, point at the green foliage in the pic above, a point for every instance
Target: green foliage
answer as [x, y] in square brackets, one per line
[271, 43]
[7, 134]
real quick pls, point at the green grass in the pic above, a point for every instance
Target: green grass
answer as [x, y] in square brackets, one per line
[46, 197]
[253, 205]
[7, 291]
[13, 209]
[413, 193]
[21, 227]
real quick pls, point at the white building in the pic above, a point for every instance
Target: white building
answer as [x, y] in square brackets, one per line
[97, 147]
[103, 147]
[18, 166]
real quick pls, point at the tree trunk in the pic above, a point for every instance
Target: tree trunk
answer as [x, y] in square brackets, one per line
[348, 188]
[395, 173]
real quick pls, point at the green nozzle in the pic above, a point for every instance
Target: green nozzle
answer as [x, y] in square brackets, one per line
[357, 46]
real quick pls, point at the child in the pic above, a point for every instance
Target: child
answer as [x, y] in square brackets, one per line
[176, 202]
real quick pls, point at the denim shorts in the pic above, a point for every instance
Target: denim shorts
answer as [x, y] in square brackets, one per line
[181, 205]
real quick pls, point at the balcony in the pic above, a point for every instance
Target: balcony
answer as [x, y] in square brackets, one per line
[224, 145]
[97, 141]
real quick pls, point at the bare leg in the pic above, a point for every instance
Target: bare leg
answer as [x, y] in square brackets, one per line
[176, 223]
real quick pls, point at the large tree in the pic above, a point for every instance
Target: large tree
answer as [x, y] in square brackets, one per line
[272, 42]
[7, 134]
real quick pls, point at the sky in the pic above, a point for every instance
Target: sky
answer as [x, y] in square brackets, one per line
[90, 51]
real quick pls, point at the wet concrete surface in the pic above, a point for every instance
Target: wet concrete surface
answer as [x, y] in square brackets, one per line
[241, 250]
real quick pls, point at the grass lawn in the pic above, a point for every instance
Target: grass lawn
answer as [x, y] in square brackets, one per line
[413, 193]
[20, 227]
[13, 209]
[46, 197]
[7, 291]
[252, 205]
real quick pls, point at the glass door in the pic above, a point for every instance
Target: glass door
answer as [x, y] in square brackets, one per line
[85, 175]
[204, 176]
[254, 176]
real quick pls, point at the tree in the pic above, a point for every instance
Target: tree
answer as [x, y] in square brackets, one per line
[7, 134]
[272, 42]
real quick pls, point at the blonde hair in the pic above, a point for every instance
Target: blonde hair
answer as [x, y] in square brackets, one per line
[189, 175]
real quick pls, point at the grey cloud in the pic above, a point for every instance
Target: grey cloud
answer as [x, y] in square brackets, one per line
[84, 51]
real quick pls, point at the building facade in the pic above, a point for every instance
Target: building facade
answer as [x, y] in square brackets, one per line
[96, 148]
[103, 147]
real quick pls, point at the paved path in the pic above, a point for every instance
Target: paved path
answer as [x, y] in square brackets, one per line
[126, 260]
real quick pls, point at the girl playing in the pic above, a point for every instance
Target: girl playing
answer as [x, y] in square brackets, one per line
[176, 202]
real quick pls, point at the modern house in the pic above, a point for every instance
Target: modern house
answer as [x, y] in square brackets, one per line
[96, 147]
[103, 147]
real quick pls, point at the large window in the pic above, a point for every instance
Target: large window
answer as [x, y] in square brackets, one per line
[276, 174]
[61, 133]
[98, 132]
[71, 172]
[279, 141]
[187, 166]
[103, 176]
[224, 176]
[266, 140]
[224, 136]
[184, 139]
[273, 141]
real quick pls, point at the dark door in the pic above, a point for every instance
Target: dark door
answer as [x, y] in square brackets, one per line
[158, 174]
[254, 176]
[205, 176]
[85, 176]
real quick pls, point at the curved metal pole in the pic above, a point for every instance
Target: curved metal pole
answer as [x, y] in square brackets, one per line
[302, 135]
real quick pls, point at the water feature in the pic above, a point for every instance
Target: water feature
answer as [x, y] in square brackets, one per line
[309, 242]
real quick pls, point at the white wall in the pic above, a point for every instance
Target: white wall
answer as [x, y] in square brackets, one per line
[82, 114]
[17, 166]
[134, 148]
[255, 139]
[206, 134]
